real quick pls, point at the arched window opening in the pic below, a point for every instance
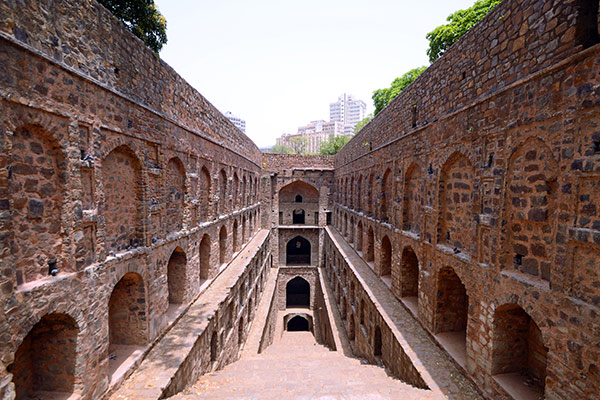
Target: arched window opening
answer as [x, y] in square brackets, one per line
[176, 269]
[222, 192]
[36, 183]
[359, 237]
[223, 245]
[204, 258]
[351, 328]
[412, 208]
[451, 314]
[213, 347]
[45, 360]
[377, 343]
[241, 331]
[235, 236]
[297, 293]
[519, 355]
[298, 216]
[127, 323]
[587, 29]
[386, 195]
[204, 185]
[351, 231]
[298, 324]
[298, 251]
[386, 261]
[409, 278]
[175, 194]
[298, 198]
[370, 253]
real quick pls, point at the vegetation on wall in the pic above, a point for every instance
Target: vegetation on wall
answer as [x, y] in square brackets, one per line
[440, 40]
[333, 145]
[142, 18]
[459, 22]
[383, 97]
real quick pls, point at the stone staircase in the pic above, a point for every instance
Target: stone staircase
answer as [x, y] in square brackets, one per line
[296, 367]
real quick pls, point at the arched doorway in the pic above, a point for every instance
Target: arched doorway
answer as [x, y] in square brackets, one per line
[298, 324]
[45, 360]
[385, 267]
[204, 258]
[298, 251]
[377, 343]
[176, 276]
[451, 314]
[370, 253]
[223, 245]
[518, 354]
[298, 216]
[297, 293]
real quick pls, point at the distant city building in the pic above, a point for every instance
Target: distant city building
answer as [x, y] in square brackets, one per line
[348, 111]
[237, 121]
[316, 132]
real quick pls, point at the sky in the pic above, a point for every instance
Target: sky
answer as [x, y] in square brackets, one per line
[278, 64]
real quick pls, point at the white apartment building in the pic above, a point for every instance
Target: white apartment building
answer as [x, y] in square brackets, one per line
[348, 111]
[316, 132]
[237, 121]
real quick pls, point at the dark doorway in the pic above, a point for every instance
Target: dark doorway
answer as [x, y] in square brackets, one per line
[298, 198]
[298, 251]
[297, 293]
[298, 216]
[297, 324]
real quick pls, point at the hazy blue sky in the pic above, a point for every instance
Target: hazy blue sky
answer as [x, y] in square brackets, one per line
[278, 64]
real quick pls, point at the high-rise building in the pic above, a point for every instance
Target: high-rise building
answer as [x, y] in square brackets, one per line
[237, 121]
[347, 110]
[316, 132]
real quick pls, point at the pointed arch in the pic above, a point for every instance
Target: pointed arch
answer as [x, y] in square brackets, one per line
[297, 293]
[205, 190]
[175, 194]
[176, 276]
[386, 195]
[223, 195]
[204, 258]
[223, 245]
[457, 224]
[123, 199]
[36, 189]
[45, 362]
[413, 200]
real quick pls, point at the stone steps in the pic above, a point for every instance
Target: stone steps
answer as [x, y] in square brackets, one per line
[297, 367]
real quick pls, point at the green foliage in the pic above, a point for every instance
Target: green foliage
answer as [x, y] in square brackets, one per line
[333, 145]
[142, 18]
[281, 149]
[383, 97]
[361, 124]
[299, 144]
[444, 36]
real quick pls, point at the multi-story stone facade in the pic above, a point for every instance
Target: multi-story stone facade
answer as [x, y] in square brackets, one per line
[139, 228]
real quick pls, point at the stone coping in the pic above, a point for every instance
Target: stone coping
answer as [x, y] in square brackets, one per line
[161, 364]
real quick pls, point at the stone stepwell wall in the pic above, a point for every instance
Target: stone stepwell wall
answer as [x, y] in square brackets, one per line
[488, 213]
[84, 36]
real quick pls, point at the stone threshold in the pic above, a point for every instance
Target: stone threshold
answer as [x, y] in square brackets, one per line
[164, 360]
[437, 368]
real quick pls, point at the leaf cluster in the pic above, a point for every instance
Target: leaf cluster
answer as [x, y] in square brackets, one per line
[281, 149]
[363, 122]
[333, 145]
[142, 18]
[383, 97]
[459, 22]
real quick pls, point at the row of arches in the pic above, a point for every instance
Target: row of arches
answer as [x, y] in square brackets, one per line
[46, 360]
[121, 188]
[517, 345]
[529, 191]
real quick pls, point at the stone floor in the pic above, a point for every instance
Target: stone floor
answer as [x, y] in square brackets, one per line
[296, 367]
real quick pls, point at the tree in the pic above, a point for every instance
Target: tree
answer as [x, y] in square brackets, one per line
[298, 144]
[383, 97]
[142, 18]
[361, 124]
[444, 36]
[280, 149]
[333, 145]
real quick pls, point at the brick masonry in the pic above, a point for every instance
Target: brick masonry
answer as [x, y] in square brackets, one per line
[474, 194]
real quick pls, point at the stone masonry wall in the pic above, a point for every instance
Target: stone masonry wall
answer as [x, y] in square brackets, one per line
[112, 173]
[494, 188]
